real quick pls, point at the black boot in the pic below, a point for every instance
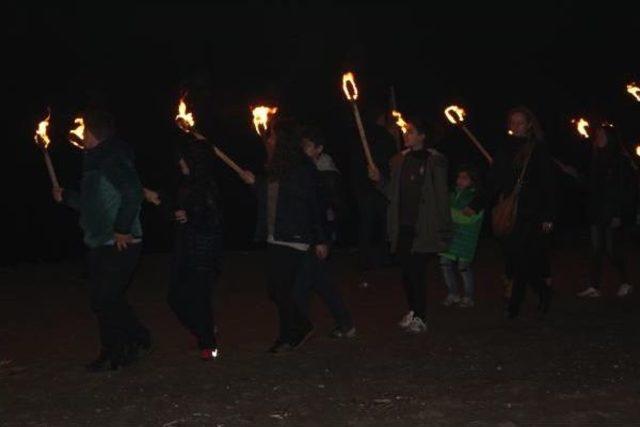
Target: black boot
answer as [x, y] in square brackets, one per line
[108, 360]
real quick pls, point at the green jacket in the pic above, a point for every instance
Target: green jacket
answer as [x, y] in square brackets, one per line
[433, 227]
[466, 228]
[110, 194]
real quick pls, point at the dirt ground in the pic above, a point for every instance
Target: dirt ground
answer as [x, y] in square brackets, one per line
[578, 366]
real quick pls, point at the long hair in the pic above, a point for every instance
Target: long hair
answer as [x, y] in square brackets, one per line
[534, 128]
[287, 151]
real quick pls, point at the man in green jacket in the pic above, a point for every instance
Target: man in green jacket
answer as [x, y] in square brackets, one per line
[109, 205]
[419, 217]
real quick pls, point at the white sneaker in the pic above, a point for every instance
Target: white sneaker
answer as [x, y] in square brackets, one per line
[590, 292]
[624, 290]
[406, 320]
[450, 300]
[417, 326]
[466, 303]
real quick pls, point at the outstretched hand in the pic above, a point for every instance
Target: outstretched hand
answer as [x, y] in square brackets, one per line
[151, 196]
[322, 251]
[248, 177]
[56, 192]
[374, 174]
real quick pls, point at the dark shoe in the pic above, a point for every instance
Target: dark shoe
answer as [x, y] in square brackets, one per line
[546, 295]
[280, 347]
[302, 338]
[511, 313]
[339, 332]
[107, 360]
[209, 354]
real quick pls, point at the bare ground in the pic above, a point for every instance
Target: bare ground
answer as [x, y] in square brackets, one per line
[578, 366]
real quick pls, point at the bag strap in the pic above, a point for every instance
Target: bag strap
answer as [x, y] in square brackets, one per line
[518, 186]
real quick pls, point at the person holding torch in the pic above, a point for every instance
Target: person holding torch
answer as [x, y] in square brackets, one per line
[420, 223]
[610, 207]
[109, 205]
[291, 220]
[521, 185]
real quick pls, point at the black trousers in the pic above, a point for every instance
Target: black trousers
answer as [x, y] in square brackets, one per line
[372, 230]
[285, 267]
[109, 274]
[194, 272]
[414, 272]
[527, 258]
[316, 278]
[606, 240]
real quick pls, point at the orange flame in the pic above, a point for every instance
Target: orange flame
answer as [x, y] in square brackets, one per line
[261, 117]
[41, 137]
[76, 136]
[638, 150]
[349, 86]
[581, 126]
[400, 121]
[184, 119]
[634, 90]
[510, 132]
[454, 114]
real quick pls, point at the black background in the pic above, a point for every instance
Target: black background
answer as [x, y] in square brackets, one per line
[563, 59]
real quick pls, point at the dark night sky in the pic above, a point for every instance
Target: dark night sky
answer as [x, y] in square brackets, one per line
[562, 59]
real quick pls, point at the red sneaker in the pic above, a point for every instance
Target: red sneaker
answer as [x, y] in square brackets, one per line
[209, 354]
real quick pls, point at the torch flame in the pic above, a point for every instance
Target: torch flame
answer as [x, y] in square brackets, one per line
[184, 119]
[261, 117]
[634, 90]
[581, 126]
[348, 80]
[510, 132]
[76, 136]
[454, 114]
[400, 121]
[41, 136]
[638, 150]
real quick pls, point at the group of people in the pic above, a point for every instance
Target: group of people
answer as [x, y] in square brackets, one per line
[409, 212]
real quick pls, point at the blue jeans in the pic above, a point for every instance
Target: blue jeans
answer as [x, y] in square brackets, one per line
[464, 268]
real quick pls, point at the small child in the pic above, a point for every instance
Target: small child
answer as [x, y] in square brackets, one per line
[467, 219]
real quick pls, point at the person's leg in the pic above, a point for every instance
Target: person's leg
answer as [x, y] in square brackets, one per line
[518, 246]
[328, 291]
[135, 334]
[205, 273]
[277, 272]
[417, 278]
[468, 279]
[181, 280]
[403, 252]
[285, 264]
[306, 281]
[450, 279]
[365, 229]
[615, 250]
[597, 254]
[109, 276]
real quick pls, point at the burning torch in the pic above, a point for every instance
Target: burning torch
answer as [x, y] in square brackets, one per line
[351, 93]
[186, 122]
[455, 115]
[43, 141]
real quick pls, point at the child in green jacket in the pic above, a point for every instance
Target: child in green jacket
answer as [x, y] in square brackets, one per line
[467, 220]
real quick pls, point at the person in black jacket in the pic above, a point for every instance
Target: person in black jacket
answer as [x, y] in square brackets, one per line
[198, 245]
[318, 277]
[193, 203]
[290, 219]
[526, 246]
[610, 203]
